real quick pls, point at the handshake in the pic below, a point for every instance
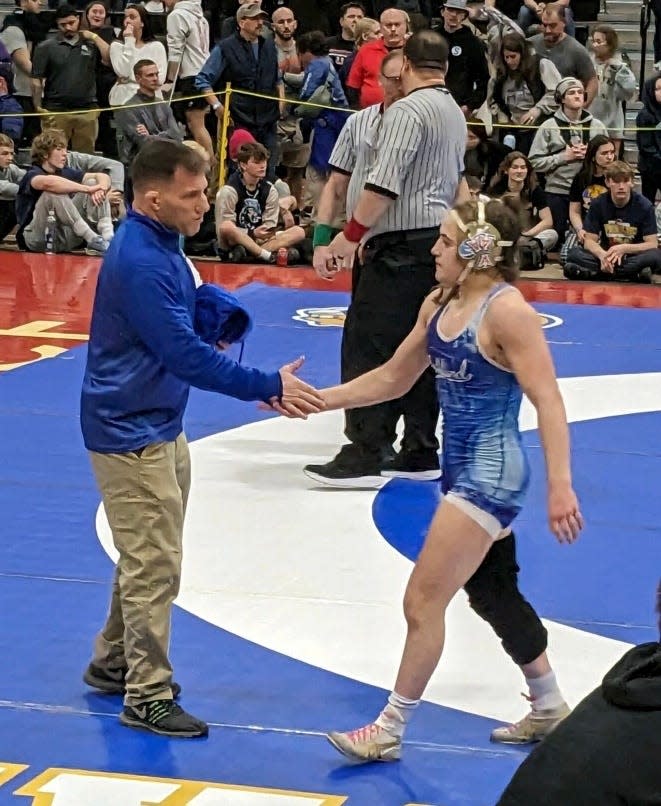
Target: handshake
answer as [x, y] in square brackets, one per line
[298, 398]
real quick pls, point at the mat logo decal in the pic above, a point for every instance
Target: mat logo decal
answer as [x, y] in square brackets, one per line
[548, 320]
[321, 317]
[62, 787]
[335, 317]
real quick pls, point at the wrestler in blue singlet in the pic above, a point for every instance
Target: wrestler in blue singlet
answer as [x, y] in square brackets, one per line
[483, 459]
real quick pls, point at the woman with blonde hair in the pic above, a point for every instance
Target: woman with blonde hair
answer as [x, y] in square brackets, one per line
[617, 83]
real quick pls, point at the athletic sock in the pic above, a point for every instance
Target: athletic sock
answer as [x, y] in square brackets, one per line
[106, 229]
[396, 715]
[265, 255]
[83, 230]
[544, 692]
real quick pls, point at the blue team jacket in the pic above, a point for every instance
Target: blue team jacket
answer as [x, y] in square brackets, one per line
[144, 354]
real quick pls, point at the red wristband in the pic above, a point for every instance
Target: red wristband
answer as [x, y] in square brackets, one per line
[354, 230]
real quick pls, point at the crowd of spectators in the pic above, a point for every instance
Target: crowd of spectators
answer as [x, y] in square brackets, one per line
[543, 111]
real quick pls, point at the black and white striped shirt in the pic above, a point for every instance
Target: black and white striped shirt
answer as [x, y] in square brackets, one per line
[355, 150]
[419, 161]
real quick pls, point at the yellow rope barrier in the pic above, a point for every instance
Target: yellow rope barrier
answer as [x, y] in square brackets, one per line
[222, 140]
[48, 113]
[229, 89]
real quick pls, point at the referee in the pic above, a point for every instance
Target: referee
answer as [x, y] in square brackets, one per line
[412, 182]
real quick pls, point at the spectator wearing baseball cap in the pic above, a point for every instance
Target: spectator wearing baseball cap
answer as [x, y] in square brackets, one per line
[249, 61]
[467, 76]
[230, 24]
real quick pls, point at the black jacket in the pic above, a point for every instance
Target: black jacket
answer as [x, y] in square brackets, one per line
[649, 142]
[468, 72]
[608, 750]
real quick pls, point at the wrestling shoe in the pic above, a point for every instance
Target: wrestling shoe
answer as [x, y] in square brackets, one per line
[369, 743]
[164, 717]
[113, 681]
[645, 275]
[415, 465]
[351, 469]
[534, 727]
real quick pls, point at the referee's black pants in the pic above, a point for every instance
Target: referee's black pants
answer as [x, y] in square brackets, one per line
[389, 286]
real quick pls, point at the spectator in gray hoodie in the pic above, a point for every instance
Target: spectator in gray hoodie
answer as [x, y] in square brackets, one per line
[10, 176]
[617, 83]
[559, 147]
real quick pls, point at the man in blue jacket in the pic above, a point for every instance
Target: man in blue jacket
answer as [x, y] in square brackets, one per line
[143, 357]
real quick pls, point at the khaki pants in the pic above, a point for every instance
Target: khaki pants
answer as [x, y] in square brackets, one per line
[81, 129]
[145, 499]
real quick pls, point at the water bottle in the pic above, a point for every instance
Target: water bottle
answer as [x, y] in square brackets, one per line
[49, 236]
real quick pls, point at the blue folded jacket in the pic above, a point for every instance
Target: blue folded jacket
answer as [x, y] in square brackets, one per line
[219, 316]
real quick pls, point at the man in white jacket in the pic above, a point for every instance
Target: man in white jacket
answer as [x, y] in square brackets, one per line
[188, 49]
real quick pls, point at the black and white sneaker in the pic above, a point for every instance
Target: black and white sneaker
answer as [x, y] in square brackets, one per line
[414, 465]
[164, 717]
[113, 681]
[351, 469]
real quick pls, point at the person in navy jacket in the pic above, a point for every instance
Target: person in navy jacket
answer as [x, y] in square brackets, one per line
[144, 355]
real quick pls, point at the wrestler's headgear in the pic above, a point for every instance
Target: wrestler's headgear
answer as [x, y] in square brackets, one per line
[482, 245]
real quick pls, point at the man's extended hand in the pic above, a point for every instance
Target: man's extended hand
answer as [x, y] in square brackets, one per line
[298, 398]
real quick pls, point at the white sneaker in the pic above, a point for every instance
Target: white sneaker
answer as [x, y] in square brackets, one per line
[97, 246]
[369, 743]
[534, 726]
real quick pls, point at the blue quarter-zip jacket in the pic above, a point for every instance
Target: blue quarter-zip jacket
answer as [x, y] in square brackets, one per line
[144, 354]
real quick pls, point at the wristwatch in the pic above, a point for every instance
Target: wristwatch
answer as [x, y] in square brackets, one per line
[216, 106]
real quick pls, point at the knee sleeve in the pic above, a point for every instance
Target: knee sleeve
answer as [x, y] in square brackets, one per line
[494, 594]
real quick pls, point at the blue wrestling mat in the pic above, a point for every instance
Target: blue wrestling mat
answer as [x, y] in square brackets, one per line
[289, 620]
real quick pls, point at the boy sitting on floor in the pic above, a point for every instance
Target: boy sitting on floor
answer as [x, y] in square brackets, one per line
[247, 210]
[10, 176]
[79, 201]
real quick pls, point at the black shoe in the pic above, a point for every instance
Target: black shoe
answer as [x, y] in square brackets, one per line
[164, 717]
[574, 272]
[350, 469]
[645, 275]
[114, 681]
[237, 254]
[416, 465]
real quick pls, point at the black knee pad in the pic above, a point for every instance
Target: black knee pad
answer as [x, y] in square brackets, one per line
[493, 593]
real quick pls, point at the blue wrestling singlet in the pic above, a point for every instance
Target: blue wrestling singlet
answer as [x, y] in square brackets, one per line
[483, 458]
